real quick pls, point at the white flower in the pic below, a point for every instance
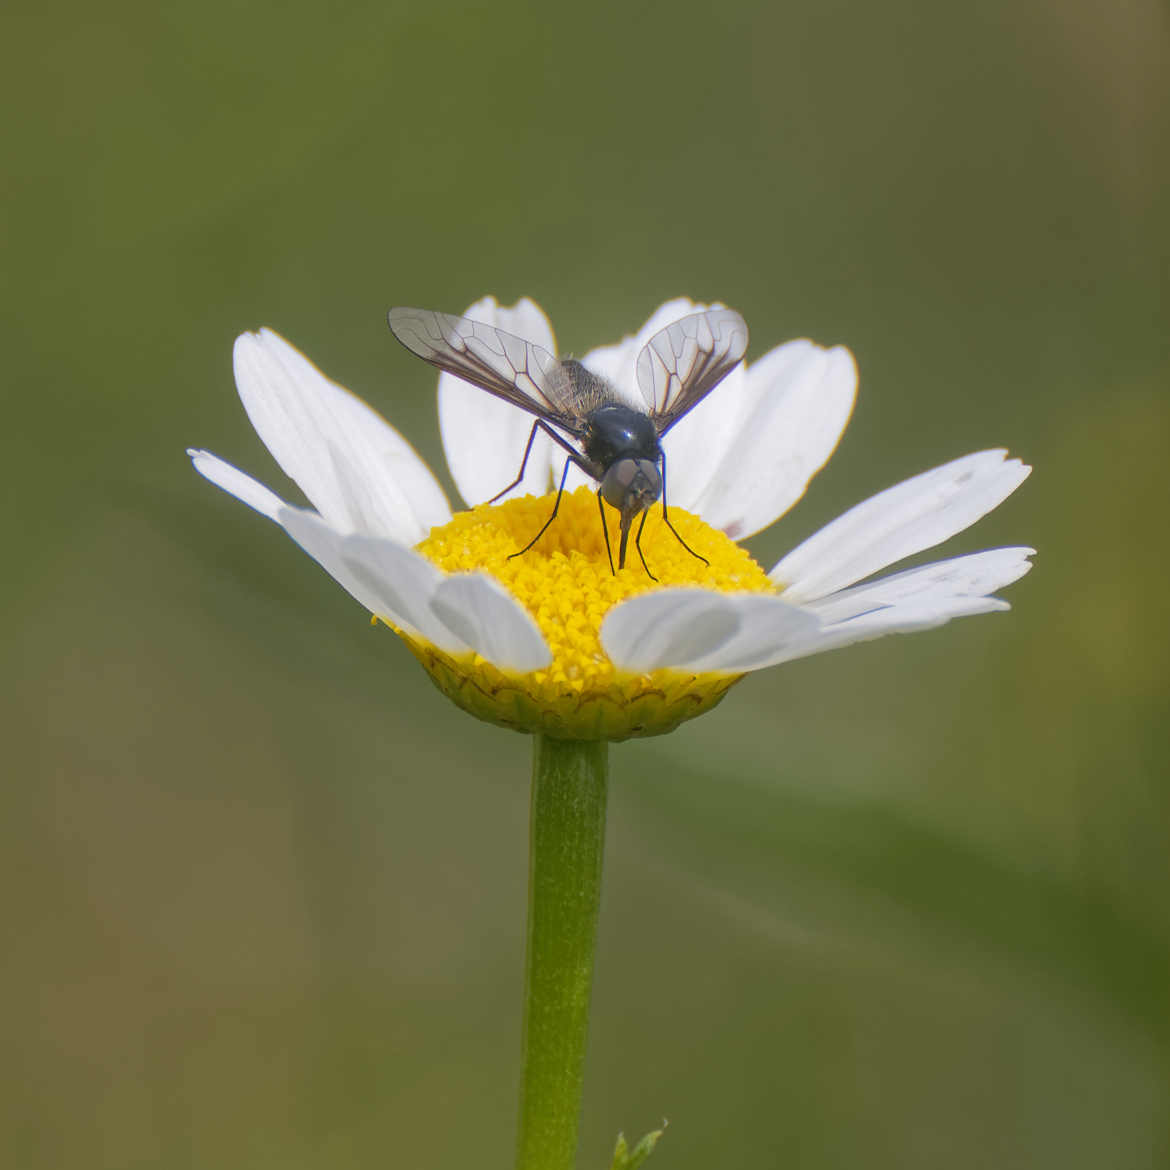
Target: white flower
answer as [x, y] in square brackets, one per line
[537, 624]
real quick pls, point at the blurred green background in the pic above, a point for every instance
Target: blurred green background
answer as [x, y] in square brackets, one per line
[901, 906]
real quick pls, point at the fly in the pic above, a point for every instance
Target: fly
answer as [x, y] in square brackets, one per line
[613, 441]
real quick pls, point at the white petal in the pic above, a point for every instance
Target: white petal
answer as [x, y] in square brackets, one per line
[905, 519]
[665, 627]
[455, 613]
[326, 546]
[793, 409]
[392, 590]
[483, 436]
[404, 585]
[976, 575]
[700, 630]
[486, 616]
[358, 471]
[768, 628]
[236, 483]
[910, 617]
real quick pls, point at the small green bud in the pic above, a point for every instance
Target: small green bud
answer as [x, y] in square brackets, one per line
[623, 1159]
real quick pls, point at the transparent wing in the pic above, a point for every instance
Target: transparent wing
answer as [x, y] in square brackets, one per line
[508, 367]
[684, 362]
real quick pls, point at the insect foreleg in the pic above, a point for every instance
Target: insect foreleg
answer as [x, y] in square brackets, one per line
[553, 516]
[638, 546]
[666, 517]
[605, 533]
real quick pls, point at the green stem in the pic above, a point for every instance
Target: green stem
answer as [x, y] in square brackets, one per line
[564, 892]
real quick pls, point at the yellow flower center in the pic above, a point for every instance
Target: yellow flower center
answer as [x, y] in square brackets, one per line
[564, 581]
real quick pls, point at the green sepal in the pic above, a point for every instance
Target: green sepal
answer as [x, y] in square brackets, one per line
[624, 1159]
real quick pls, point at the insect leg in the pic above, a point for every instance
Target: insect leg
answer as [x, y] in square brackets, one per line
[672, 528]
[638, 546]
[552, 517]
[605, 533]
[539, 425]
[523, 463]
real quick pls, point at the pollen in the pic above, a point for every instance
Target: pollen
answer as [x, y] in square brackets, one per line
[565, 582]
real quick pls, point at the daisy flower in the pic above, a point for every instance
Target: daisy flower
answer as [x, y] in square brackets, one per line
[553, 641]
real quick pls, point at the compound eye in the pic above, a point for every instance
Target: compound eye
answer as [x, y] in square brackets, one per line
[631, 485]
[651, 480]
[618, 481]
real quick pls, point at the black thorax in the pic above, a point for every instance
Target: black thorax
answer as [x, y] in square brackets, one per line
[618, 432]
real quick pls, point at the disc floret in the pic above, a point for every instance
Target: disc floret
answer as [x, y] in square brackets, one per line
[565, 583]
